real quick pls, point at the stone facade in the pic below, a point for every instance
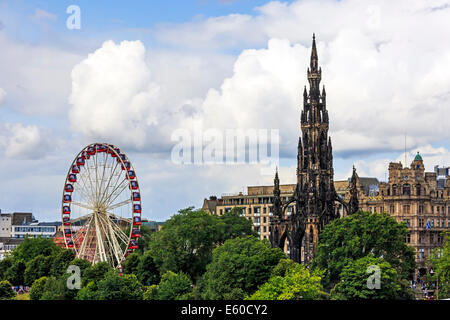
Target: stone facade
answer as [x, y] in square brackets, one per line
[418, 198]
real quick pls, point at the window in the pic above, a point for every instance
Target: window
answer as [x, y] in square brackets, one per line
[421, 238]
[394, 189]
[406, 209]
[406, 189]
[418, 189]
[391, 209]
[421, 223]
[421, 209]
[408, 223]
[421, 253]
[431, 238]
[408, 238]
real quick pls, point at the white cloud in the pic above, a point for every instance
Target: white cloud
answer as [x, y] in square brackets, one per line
[113, 95]
[2, 96]
[432, 156]
[23, 141]
[36, 77]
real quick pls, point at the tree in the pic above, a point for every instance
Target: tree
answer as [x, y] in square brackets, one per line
[291, 281]
[61, 261]
[151, 293]
[54, 289]
[186, 240]
[440, 262]
[174, 286]
[130, 265]
[33, 247]
[116, 287]
[358, 281]
[81, 263]
[88, 292]
[147, 271]
[233, 225]
[238, 267]
[6, 291]
[362, 233]
[5, 264]
[36, 268]
[15, 273]
[95, 273]
[38, 288]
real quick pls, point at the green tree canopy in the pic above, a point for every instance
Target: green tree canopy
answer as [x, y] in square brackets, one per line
[95, 273]
[130, 265]
[291, 281]
[147, 271]
[440, 262]
[61, 261]
[362, 233]
[36, 268]
[32, 247]
[232, 225]
[238, 267]
[116, 287]
[16, 273]
[38, 288]
[174, 286]
[6, 291]
[186, 240]
[357, 281]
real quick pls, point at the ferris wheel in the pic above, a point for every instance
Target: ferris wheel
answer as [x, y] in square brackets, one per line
[101, 205]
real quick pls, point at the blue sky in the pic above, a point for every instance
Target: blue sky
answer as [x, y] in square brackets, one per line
[152, 67]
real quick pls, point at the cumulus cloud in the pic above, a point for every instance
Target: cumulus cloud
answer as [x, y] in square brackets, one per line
[23, 141]
[384, 78]
[113, 95]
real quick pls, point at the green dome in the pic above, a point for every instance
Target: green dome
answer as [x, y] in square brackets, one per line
[418, 157]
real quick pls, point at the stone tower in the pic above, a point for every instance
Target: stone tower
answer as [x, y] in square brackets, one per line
[315, 194]
[315, 160]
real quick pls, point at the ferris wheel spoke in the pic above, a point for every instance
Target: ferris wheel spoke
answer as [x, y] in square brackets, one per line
[88, 178]
[88, 216]
[119, 231]
[111, 176]
[113, 194]
[87, 238]
[100, 244]
[115, 251]
[83, 187]
[119, 204]
[105, 162]
[82, 205]
[117, 192]
[116, 184]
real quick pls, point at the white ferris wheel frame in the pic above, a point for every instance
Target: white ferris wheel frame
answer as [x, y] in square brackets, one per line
[98, 199]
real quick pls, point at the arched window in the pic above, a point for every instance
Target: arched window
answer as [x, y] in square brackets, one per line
[388, 191]
[311, 235]
[418, 190]
[394, 189]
